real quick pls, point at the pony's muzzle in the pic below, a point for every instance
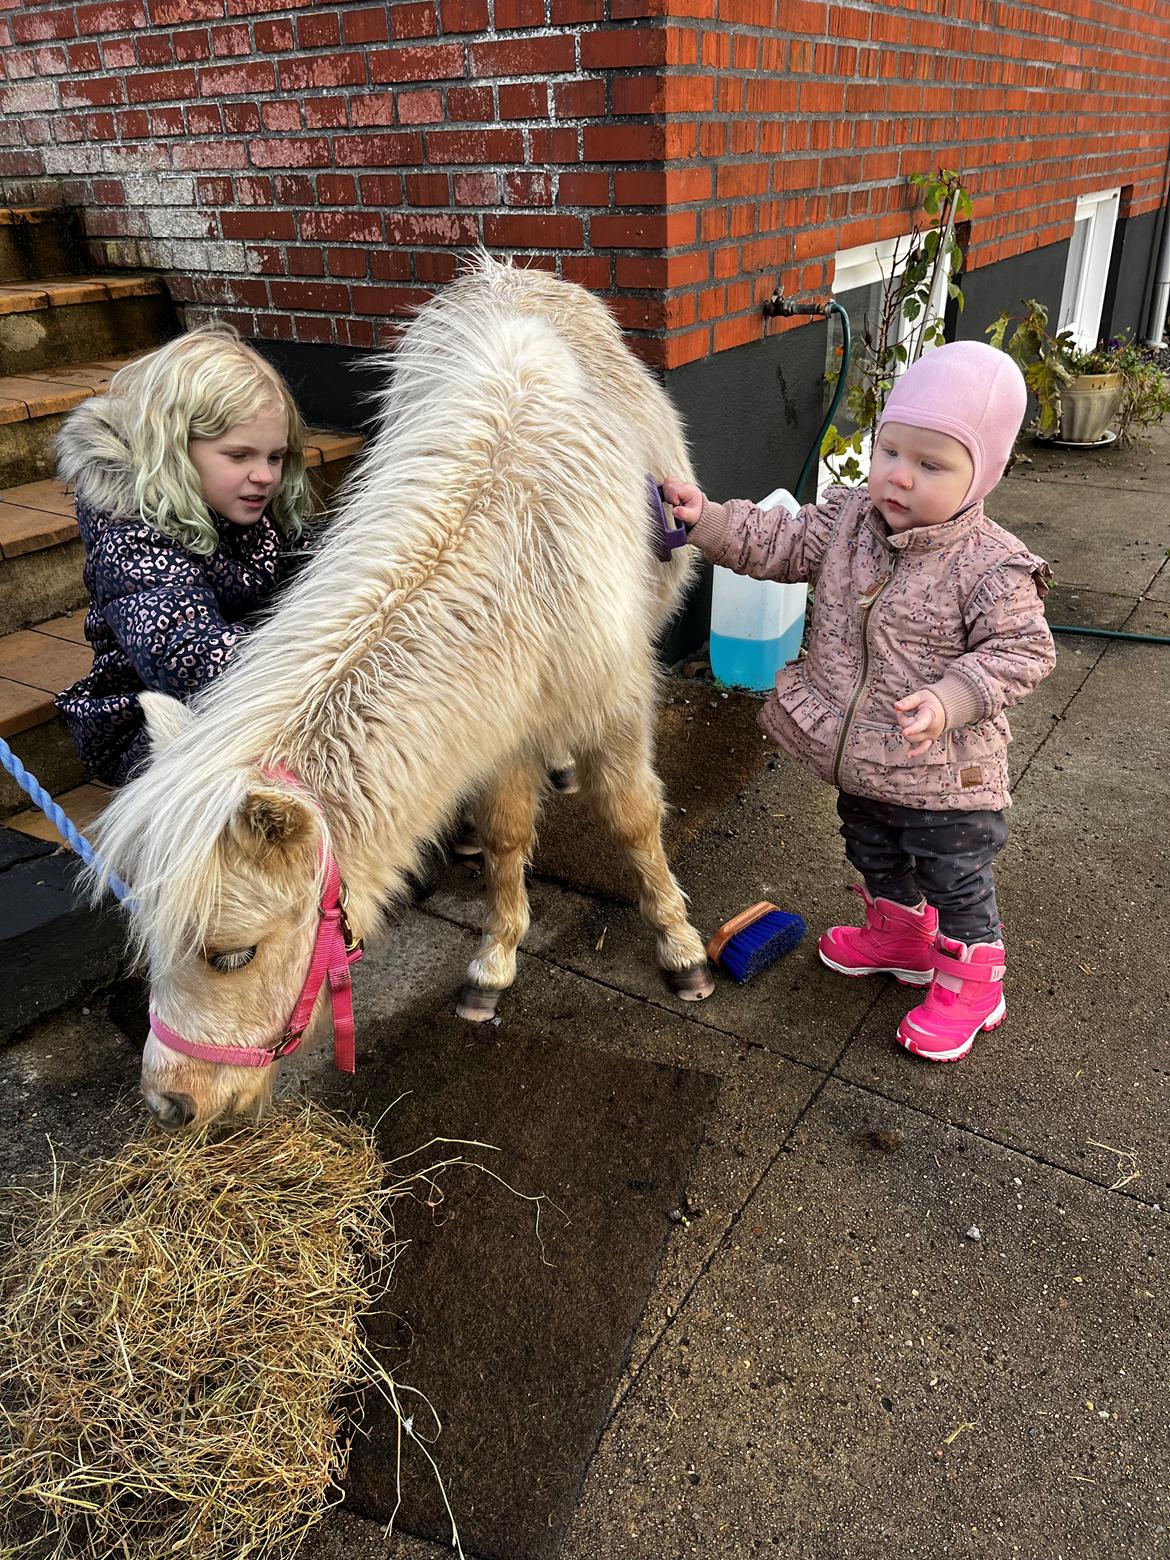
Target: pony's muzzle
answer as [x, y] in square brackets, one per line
[171, 1110]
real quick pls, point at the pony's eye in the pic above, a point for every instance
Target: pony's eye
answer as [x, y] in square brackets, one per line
[230, 959]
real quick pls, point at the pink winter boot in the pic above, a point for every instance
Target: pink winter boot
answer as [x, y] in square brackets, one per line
[967, 996]
[896, 940]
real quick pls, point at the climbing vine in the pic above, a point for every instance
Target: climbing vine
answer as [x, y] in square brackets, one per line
[910, 318]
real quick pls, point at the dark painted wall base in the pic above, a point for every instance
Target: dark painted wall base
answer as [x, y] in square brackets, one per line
[1130, 275]
[751, 416]
[990, 290]
[332, 386]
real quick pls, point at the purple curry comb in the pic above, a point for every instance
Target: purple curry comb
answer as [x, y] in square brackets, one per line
[668, 536]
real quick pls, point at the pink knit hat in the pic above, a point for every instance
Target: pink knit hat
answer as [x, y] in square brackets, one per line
[971, 391]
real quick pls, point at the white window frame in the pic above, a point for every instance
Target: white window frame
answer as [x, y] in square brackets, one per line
[1087, 270]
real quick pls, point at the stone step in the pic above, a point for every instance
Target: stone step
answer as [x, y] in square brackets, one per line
[39, 241]
[41, 556]
[81, 806]
[35, 665]
[63, 320]
[32, 408]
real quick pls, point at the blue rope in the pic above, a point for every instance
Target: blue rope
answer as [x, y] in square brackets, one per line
[56, 816]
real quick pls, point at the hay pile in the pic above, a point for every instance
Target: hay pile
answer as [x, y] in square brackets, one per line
[180, 1340]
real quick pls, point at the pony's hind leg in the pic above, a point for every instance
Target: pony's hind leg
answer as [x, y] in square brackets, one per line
[505, 818]
[619, 782]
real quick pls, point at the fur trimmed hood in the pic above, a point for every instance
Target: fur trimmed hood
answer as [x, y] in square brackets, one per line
[93, 456]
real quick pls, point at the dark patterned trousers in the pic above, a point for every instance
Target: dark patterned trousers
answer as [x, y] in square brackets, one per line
[908, 854]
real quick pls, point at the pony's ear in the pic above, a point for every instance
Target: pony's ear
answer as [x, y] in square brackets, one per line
[273, 821]
[165, 718]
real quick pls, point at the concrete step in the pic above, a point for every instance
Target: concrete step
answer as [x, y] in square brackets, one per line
[35, 665]
[39, 241]
[32, 408]
[41, 556]
[64, 320]
[81, 806]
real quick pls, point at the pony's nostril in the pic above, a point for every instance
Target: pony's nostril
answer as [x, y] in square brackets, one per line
[175, 1110]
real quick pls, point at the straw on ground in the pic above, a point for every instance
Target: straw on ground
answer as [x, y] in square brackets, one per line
[181, 1350]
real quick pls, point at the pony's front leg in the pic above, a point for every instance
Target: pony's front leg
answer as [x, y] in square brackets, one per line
[620, 783]
[505, 818]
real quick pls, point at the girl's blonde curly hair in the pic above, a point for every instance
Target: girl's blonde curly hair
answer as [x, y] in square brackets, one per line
[198, 387]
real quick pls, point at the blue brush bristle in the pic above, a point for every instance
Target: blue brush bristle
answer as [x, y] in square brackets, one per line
[761, 944]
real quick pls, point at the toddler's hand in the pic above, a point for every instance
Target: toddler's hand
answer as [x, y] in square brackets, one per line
[684, 498]
[921, 718]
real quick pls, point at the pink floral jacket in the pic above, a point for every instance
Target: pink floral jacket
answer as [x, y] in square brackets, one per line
[956, 608]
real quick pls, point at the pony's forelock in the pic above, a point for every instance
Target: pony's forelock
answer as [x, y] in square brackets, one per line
[164, 834]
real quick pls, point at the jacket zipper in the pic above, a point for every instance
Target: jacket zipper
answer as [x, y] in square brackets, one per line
[867, 602]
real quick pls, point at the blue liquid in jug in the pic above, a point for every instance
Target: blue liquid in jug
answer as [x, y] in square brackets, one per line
[753, 663]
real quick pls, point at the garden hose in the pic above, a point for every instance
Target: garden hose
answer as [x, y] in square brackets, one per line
[1111, 633]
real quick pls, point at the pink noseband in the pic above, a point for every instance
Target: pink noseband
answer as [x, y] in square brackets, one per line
[334, 949]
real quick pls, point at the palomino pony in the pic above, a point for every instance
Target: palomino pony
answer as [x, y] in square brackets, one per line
[486, 600]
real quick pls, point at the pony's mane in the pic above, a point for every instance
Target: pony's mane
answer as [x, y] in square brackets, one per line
[349, 682]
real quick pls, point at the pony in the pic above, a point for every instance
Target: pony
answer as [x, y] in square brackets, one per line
[486, 600]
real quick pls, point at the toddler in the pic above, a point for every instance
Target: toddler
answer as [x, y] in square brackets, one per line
[191, 490]
[928, 623]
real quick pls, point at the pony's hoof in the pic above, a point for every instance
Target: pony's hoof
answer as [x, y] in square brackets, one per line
[477, 1004]
[565, 780]
[693, 984]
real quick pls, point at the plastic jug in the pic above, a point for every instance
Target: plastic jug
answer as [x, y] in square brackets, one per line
[756, 625]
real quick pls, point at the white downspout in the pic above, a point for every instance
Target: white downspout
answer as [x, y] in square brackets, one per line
[1159, 298]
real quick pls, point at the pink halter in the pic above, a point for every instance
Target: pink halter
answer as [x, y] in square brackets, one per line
[334, 949]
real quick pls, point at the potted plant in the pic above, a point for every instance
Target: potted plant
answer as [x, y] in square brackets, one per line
[1081, 392]
[1146, 400]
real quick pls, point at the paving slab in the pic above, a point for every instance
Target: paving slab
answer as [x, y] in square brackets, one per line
[1077, 607]
[1159, 587]
[545, 1308]
[856, 1375]
[1143, 465]
[755, 848]
[1088, 552]
[68, 1088]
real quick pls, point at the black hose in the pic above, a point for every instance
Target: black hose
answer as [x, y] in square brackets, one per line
[813, 456]
[1111, 633]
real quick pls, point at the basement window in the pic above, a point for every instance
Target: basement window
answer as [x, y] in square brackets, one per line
[1087, 271]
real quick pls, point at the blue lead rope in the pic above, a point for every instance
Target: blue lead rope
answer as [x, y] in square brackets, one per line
[31, 785]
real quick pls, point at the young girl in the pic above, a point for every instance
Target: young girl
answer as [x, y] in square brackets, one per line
[928, 623]
[190, 481]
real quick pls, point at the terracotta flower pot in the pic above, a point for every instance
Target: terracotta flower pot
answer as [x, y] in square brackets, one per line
[1088, 406]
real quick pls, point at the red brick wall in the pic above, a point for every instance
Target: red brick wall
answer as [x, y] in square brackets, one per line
[312, 170]
[808, 116]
